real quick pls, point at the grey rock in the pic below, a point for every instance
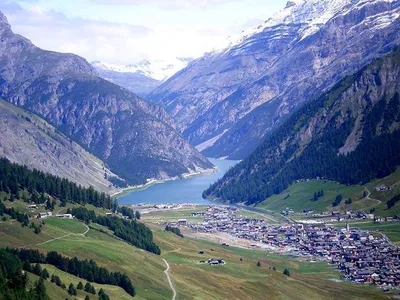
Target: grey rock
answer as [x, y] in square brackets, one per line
[137, 140]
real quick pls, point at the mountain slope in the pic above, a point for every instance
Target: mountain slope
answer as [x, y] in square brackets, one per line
[137, 140]
[30, 141]
[135, 82]
[350, 134]
[240, 93]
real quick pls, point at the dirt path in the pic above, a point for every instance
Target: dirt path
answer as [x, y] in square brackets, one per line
[369, 193]
[169, 279]
[64, 236]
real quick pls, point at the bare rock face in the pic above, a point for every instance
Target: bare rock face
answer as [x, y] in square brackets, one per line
[136, 139]
[246, 89]
[29, 140]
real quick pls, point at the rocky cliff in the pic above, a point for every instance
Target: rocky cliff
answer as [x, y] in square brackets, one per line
[230, 99]
[136, 140]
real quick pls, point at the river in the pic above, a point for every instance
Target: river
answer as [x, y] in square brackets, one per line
[179, 191]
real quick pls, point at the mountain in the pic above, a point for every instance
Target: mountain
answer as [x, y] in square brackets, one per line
[136, 140]
[350, 134]
[135, 82]
[227, 101]
[143, 77]
[31, 141]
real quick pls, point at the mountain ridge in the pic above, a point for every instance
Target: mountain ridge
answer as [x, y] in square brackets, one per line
[248, 89]
[136, 139]
[350, 134]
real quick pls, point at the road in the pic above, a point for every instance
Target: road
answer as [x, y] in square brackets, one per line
[169, 280]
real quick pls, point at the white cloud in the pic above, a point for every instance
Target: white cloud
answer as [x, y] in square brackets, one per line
[169, 4]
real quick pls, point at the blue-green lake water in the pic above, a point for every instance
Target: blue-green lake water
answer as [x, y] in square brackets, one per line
[179, 191]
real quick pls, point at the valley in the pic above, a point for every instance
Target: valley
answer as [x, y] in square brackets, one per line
[179, 165]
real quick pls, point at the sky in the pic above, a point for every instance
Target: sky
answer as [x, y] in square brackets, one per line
[127, 31]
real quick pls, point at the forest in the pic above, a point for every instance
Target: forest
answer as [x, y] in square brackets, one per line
[14, 283]
[85, 269]
[14, 178]
[130, 231]
[272, 168]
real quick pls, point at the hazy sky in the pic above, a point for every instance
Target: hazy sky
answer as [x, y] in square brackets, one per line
[126, 31]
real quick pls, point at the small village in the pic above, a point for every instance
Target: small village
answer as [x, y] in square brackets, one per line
[361, 256]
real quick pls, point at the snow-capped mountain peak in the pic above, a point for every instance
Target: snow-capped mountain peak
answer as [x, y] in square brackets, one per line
[311, 14]
[157, 69]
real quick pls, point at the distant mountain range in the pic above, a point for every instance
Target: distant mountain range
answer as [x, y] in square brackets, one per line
[229, 100]
[350, 134]
[143, 77]
[135, 139]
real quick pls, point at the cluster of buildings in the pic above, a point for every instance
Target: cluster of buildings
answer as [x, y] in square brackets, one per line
[359, 255]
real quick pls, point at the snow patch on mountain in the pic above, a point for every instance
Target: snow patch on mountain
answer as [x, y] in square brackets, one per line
[310, 14]
[157, 69]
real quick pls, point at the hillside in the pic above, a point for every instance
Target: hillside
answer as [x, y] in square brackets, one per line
[135, 139]
[31, 141]
[233, 97]
[350, 135]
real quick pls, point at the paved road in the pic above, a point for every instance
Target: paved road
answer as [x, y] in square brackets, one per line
[169, 280]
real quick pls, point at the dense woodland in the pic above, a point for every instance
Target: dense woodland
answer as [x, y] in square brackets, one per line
[86, 269]
[269, 170]
[130, 231]
[14, 283]
[14, 178]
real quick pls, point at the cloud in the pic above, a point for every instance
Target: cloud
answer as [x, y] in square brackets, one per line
[168, 4]
[97, 40]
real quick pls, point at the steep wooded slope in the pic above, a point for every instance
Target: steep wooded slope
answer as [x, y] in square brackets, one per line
[350, 134]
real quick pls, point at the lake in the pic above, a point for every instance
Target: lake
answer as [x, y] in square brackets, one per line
[179, 191]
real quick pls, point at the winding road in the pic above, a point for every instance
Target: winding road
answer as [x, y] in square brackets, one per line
[169, 279]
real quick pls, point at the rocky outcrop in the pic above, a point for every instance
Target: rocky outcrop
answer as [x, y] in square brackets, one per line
[250, 86]
[137, 140]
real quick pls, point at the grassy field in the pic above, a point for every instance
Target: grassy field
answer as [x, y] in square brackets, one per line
[186, 213]
[235, 280]
[298, 197]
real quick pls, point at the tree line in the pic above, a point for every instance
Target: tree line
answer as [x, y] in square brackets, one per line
[175, 230]
[86, 269]
[271, 169]
[14, 282]
[131, 231]
[14, 178]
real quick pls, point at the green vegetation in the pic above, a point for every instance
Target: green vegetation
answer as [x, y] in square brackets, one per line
[299, 196]
[84, 268]
[15, 178]
[132, 232]
[14, 283]
[174, 230]
[277, 162]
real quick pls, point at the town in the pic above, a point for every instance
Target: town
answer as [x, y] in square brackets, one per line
[361, 256]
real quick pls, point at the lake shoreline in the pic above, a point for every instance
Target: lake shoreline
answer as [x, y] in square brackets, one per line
[124, 191]
[186, 188]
